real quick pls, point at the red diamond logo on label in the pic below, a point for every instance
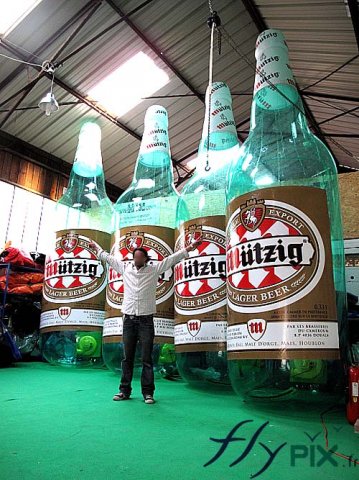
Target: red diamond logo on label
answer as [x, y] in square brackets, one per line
[134, 240]
[194, 233]
[256, 328]
[193, 327]
[252, 214]
[200, 284]
[69, 243]
[73, 271]
[64, 312]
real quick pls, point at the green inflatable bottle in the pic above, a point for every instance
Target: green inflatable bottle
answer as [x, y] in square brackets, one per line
[147, 216]
[285, 266]
[73, 306]
[200, 282]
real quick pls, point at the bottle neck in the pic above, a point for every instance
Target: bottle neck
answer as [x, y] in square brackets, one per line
[85, 192]
[156, 166]
[286, 121]
[219, 134]
[277, 109]
[153, 170]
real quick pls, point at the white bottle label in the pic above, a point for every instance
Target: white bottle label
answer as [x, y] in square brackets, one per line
[281, 297]
[273, 69]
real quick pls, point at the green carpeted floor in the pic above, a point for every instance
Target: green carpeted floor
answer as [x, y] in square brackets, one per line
[62, 424]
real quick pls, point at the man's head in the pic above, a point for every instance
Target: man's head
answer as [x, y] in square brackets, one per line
[140, 257]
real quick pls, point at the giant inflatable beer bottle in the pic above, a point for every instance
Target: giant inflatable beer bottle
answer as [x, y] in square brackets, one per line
[147, 216]
[285, 269]
[200, 280]
[73, 306]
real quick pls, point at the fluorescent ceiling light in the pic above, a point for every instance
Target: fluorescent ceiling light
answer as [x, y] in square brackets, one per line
[124, 88]
[13, 12]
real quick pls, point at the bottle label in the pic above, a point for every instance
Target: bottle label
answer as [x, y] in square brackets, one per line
[155, 135]
[158, 241]
[220, 125]
[74, 283]
[272, 69]
[200, 287]
[280, 287]
[152, 211]
[138, 213]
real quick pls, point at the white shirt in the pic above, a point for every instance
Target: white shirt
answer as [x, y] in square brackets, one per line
[140, 284]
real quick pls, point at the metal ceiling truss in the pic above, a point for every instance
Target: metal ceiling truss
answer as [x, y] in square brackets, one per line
[85, 14]
[77, 94]
[42, 72]
[58, 34]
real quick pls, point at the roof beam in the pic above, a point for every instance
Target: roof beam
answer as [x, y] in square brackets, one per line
[58, 34]
[48, 43]
[354, 13]
[155, 49]
[341, 135]
[334, 117]
[83, 99]
[77, 94]
[344, 98]
[101, 34]
[255, 15]
[40, 74]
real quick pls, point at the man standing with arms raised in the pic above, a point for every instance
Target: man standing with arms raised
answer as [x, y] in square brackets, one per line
[140, 279]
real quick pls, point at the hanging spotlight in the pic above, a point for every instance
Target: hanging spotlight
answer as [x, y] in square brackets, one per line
[48, 103]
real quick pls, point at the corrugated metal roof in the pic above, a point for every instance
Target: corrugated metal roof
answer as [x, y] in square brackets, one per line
[319, 34]
[321, 39]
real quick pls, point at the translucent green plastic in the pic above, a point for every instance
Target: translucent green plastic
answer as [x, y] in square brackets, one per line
[204, 196]
[152, 187]
[85, 205]
[281, 151]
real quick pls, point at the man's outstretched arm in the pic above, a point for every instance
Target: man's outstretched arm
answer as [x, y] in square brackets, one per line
[171, 260]
[104, 256]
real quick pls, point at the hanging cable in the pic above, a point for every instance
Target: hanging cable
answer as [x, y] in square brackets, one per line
[209, 98]
[52, 82]
[20, 61]
[213, 22]
[22, 48]
[45, 66]
[332, 105]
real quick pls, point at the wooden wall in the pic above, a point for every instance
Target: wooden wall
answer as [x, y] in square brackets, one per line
[24, 173]
[349, 199]
[47, 180]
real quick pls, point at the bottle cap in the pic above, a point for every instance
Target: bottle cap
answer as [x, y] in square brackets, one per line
[270, 38]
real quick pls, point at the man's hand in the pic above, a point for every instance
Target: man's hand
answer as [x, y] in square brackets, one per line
[194, 244]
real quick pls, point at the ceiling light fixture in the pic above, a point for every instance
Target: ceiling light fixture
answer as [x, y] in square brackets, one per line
[48, 103]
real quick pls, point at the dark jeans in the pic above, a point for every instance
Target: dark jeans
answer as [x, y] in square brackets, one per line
[138, 328]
